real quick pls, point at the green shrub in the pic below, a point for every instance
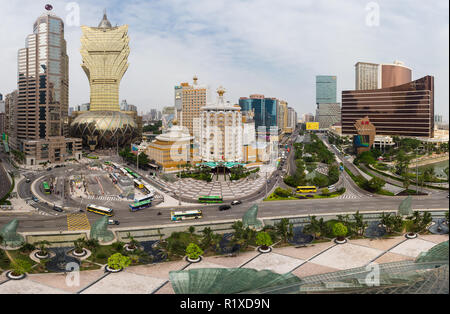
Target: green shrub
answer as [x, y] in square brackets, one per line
[263, 239]
[339, 230]
[118, 261]
[193, 251]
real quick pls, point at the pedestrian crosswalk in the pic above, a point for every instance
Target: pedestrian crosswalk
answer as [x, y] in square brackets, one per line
[77, 221]
[105, 197]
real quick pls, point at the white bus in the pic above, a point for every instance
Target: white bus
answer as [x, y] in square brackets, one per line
[184, 215]
[149, 189]
[100, 210]
[143, 199]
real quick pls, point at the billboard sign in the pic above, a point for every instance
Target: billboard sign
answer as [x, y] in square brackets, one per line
[312, 125]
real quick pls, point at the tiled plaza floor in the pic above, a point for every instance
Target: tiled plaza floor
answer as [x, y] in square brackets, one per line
[303, 261]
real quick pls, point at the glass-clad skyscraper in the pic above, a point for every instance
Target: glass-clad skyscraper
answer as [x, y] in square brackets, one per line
[265, 110]
[41, 111]
[326, 89]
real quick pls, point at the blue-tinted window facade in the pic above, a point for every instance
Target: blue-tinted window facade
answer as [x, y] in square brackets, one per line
[265, 111]
[326, 89]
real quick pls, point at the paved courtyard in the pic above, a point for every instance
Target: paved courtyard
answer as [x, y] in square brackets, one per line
[304, 261]
[229, 190]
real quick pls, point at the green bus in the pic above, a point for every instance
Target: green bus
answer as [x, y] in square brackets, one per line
[46, 187]
[140, 205]
[210, 199]
[135, 175]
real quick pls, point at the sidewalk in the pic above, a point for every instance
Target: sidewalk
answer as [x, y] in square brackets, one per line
[316, 259]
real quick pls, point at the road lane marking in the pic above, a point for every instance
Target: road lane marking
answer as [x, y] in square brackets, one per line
[77, 221]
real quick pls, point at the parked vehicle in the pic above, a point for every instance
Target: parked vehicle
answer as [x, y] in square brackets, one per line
[236, 202]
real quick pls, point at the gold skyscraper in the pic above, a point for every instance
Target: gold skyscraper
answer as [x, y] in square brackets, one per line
[105, 51]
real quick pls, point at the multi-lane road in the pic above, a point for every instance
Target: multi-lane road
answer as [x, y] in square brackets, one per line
[361, 201]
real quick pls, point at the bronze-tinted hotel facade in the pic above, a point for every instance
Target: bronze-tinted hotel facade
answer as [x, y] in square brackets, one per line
[404, 110]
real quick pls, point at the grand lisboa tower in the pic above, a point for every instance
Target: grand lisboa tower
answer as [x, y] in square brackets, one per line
[105, 50]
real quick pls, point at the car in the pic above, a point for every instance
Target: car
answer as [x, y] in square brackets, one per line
[236, 202]
[49, 169]
[224, 207]
[35, 199]
[58, 209]
[331, 187]
[27, 180]
[113, 222]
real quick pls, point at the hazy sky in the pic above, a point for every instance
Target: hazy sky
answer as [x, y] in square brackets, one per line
[275, 48]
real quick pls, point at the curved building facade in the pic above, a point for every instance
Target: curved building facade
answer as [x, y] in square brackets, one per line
[395, 74]
[404, 110]
[105, 129]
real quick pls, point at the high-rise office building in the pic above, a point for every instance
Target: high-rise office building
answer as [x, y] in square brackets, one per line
[369, 76]
[326, 89]
[282, 116]
[105, 51]
[11, 117]
[307, 117]
[328, 114]
[404, 110]
[40, 116]
[178, 102]
[292, 119]
[265, 111]
[194, 98]
[328, 111]
[2, 104]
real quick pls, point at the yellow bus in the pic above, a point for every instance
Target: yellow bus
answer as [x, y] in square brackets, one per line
[306, 189]
[100, 210]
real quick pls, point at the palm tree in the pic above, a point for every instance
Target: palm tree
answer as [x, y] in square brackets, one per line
[79, 245]
[191, 231]
[133, 244]
[313, 227]
[282, 229]
[1, 239]
[359, 223]
[42, 245]
[92, 244]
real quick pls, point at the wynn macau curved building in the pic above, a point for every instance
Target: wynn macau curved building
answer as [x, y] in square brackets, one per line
[104, 51]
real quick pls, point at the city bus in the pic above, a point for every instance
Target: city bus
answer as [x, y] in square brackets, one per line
[306, 189]
[138, 184]
[46, 187]
[149, 189]
[210, 199]
[100, 210]
[190, 214]
[144, 199]
[140, 205]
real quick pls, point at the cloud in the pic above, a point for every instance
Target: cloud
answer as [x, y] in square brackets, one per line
[274, 48]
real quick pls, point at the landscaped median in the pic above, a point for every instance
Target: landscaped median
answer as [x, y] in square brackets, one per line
[281, 194]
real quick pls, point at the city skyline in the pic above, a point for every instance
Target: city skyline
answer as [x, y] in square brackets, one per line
[209, 39]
